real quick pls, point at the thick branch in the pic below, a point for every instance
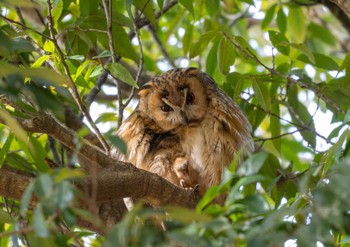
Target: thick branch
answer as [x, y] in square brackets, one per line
[115, 179]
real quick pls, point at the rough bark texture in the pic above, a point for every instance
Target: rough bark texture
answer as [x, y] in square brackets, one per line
[343, 4]
[109, 180]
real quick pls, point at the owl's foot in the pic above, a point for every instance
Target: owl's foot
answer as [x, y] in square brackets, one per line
[191, 189]
[195, 188]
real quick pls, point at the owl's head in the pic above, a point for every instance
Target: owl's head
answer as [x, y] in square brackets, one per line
[176, 98]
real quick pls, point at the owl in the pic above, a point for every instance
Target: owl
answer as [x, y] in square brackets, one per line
[185, 129]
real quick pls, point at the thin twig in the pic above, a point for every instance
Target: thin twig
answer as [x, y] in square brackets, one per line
[107, 5]
[272, 71]
[72, 88]
[7, 20]
[161, 47]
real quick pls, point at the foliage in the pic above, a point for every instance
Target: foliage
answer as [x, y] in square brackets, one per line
[284, 62]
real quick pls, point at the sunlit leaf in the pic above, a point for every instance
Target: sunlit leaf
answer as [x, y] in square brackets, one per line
[226, 55]
[57, 7]
[120, 72]
[296, 25]
[40, 61]
[270, 14]
[281, 21]
[107, 117]
[203, 41]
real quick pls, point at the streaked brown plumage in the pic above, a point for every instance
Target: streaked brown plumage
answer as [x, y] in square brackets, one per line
[185, 129]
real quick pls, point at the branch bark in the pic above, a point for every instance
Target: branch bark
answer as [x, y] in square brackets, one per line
[109, 180]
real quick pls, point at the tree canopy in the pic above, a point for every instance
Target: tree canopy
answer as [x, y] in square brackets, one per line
[69, 75]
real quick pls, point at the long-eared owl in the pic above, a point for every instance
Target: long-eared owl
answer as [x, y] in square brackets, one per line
[185, 129]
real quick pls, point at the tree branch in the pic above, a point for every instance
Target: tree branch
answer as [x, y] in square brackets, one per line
[72, 88]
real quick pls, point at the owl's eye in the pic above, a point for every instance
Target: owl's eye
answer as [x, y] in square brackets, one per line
[190, 99]
[166, 108]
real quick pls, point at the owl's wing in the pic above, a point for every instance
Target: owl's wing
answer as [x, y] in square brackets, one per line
[132, 132]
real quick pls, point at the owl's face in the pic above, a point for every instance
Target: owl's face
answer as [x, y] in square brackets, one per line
[174, 99]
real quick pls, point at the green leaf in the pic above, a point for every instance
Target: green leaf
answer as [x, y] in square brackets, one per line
[346, 63]
[13, 125]
[40, 227]
[103, 54]
[64, 195]
[346, 120]
[252, 165]
[146, 7]
[40, 61]
[88, 7]
[122, 44]
[281, 21]
[188, 5]
[25, 200]
[209, 195]
[120, 72]
[279, 41]
[68, 173]
[118, 143]
[303, 48]
[5, 217]
[322, 33]
[301, 116]
[212, 59]
[262, 94]
[275, 126]
[202, 43]
[296, 25]
[321, 61]
[107, 117]
[43, 185]
[212, 6]
[187, 39]
[160, 4]
[38, 154]
[57, 7]
[226, 55]
[186, 216]
[270, 13]
[5, 148]
[96, 71]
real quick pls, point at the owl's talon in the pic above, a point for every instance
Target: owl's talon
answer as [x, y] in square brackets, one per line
[195, 189]
[183, 183]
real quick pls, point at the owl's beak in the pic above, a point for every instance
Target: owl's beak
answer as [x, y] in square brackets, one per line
[184, 117]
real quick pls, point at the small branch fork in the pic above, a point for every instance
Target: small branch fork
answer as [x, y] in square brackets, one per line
[72, 88]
